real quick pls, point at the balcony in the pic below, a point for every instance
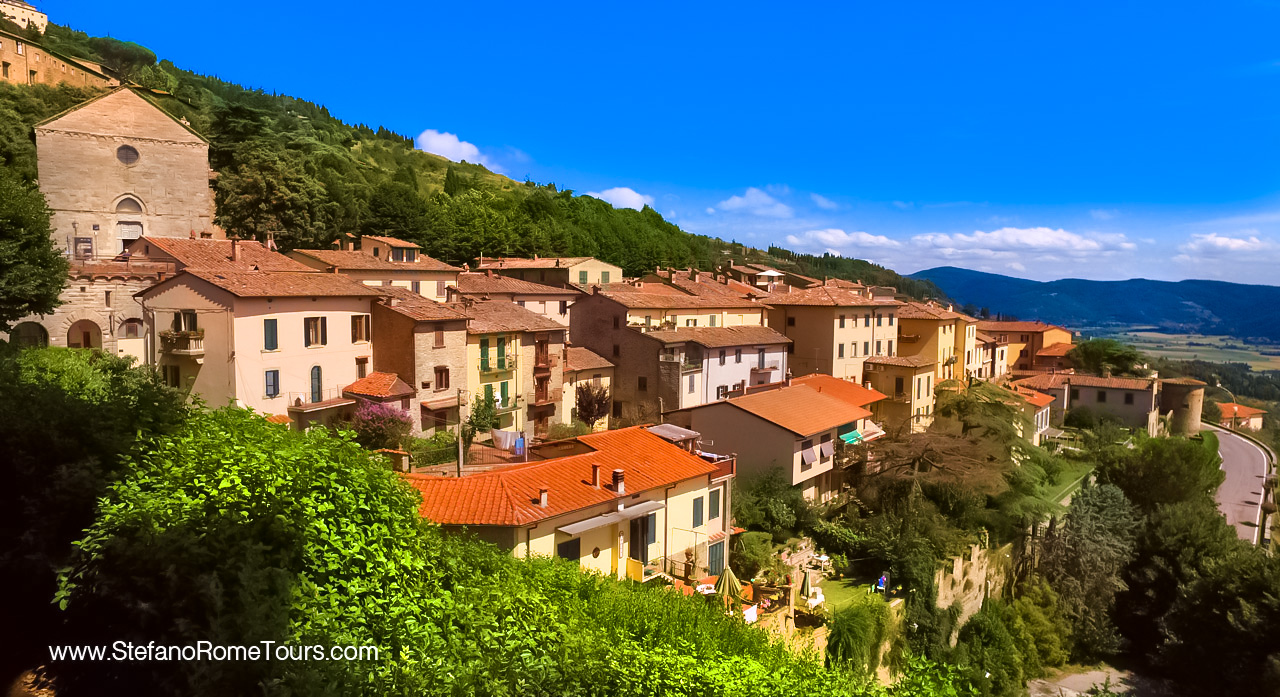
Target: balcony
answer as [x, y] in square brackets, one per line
[497, 364]
[544, 362]
[767, 367]
[542, 398]
[504, 407]
[908, 338]
[182, 343]
[904, 397]
[687, 366]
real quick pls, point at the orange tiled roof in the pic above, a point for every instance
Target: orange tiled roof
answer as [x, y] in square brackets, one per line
[1231, 410]
[381, 385]
[582, 358]
[1036, 399]
[360, 261]
[642, 298]
[416, 307]
[509, 497]
[801, 409]
[494, 316]
[216, 254]
[280, 419]
[988, 325]
[539, 263]
[1056, 381]
[1056, 350]
[271, 284]
[390, 242]
[1192, 382]
[830, 296]
[481, 283]
[719, 337]
[919, 310]
[901, 361]
[984, 338]
[847, 390]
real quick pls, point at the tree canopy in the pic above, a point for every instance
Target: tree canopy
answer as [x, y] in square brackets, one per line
[32, 269]
[1099, 356]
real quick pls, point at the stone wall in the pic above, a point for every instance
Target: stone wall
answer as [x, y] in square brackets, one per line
[23, 63]
[971, 578]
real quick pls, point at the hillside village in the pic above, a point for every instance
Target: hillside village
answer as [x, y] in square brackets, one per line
[554, 406]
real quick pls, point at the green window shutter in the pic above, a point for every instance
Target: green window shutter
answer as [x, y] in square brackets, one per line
[270, 340]
[488, 391]
[502, 353]
[484, 354]
[604, 277]
[715, 505]
[697, 512]
[504, 393]
[582, 277]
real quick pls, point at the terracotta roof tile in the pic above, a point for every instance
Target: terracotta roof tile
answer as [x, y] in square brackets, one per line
[216, 254]
[643, 299]
[359, 261]
[391, 242]
[1183, 381]
[482, 283]
[932, 311]
[1055, 381]
[830, 296]
[1231, 410]
[275, 284]
[1059, 349]
[719, 337]
[998, 327]
[416, 307]
[582, 358]
[1036, 399]
[801, 409]
[539, 263]
[509, 497]
[494, 316]
[381, 385]
[847, 390]
[903, 361]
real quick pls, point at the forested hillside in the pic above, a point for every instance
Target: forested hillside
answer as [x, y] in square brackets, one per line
[286, 167]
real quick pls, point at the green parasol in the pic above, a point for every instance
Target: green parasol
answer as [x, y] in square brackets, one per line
[727, 585]
[805, 590]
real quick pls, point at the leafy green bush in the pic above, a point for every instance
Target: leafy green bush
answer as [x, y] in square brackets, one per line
[770, 503]
[857, 632]
[571, 430]
[996, 651]
[441, 447]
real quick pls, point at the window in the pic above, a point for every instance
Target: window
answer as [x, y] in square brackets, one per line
[691, 384]
[711, 321]
[791, 321]
[617, 410]
[362, 367]
[128, 155]
[1102, 396]
[184, 321]
[521, 303]
[617, 351]
[172, 376]
[616, 322]
[442, 378]
[273, 383]
[564, 308]
[760, 359]
[842, 321]
[826, 448]
[1075, 393]
[132, 328]
[315, 331]
[737, 355]
[840, 351]
[722, 356]
[713, 505]
[410, 255]
[439, 336]
[853, 349]
[642, 383]
[651, 529]
[1128, 398]
[4, 70]
[722, 391]
[416, 286]
[20, 48]
[376, 252]
[879, 320]
[691, 322]
[270, 339]
[604, 277]
[571, 550]
[866, 348]
[582, 277]
[866, 320]
[878, 353]
[440, 289]
[807, 456]
[397, 254]
[715, 558]
[891, 348]
[697, 512]
[595, 379]
[890, 320]
[317, 385]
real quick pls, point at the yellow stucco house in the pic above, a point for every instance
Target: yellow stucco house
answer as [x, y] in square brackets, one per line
[625, 503]
[385, 261]
[835, 328]
[941, 335]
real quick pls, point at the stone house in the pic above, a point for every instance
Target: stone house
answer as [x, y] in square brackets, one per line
[387, 262]
[555, 271]
[552, 302]
[835, 328]
[25, 63]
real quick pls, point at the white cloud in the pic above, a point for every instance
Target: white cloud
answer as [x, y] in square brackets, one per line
[623, 197]
[710, 210]
[840, 242]
[823, 202]
[1016, 266]
[1099, 214]
[450, 147]
[756, 202]
[1008, 242]
[904, 205]
[1215, 245]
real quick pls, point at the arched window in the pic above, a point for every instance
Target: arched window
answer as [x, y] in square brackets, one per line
[30, 334]
[127, 154]
[317, 392]
[128, 204]
[131, 328]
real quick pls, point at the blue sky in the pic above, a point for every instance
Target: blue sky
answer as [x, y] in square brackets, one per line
[1042, 140]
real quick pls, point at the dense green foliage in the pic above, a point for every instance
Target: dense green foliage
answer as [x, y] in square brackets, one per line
[67, 418]
[769, 503]
[32, 270]
[1099, 356]
[857, 634]
[592, 402]
[997, 651]
[1162, 471]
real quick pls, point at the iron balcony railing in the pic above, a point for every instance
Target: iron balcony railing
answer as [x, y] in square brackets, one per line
[182, 343]
[498, 363]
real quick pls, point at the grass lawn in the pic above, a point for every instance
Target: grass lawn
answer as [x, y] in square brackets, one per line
[1067, 480]
[840, 593]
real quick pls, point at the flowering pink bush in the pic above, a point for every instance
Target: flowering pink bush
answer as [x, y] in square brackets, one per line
[379, 425]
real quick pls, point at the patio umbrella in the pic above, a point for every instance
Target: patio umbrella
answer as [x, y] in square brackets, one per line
[727, 585]
[805, 590]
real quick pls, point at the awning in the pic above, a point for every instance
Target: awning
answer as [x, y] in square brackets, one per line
[808, 456]
[612, 517]
[852, 437]
[827, 448]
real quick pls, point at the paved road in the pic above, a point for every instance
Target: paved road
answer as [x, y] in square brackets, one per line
[1240, 495]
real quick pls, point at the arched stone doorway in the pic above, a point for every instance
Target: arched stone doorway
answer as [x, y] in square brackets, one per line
[29, 334]
[84, 334]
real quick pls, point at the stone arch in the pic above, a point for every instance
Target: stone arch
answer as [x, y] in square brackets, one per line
[30, 334]
[84, 333]
[129, 203]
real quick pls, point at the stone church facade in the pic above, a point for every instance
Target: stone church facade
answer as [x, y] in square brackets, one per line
[112, 170]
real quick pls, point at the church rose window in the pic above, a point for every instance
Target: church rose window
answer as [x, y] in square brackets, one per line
[127, 154]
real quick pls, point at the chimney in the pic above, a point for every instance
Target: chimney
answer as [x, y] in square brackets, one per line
[193, 234]
[788, 380]
[535, 257]
[619, 486]
[488, 272]
[235, 249]
[542, 497]
[595, 476]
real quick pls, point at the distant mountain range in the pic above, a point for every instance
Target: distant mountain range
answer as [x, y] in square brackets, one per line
[1201, 307]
